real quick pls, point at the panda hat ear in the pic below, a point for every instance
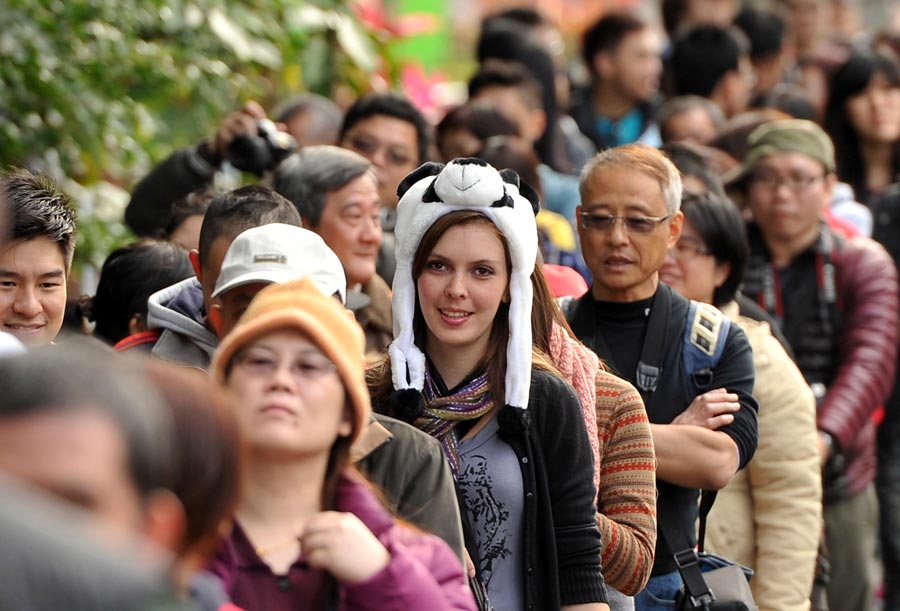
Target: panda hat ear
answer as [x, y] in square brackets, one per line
[525, 190]
[429, 168]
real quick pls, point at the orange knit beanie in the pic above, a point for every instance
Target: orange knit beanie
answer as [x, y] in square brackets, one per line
[300, 305]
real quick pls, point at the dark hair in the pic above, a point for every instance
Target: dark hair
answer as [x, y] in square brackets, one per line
[309, 175]
[391, 105]
[82, 375]
[701, 57]
[887, 40]
[733, 136]
[764, 31]
[720, 226]
[234, 212]
[510, 75]
[507, 42]
[522, 15]
[692, 160]
[327, 115]
[130, 275]
[607, 34]
[790, 99]
[684, 103]
[39, 209]
[479, 118]
[849, 80]
[672, 14]
[207, 449]
[194, 203]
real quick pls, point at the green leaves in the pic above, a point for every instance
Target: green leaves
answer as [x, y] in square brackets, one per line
[95, 91]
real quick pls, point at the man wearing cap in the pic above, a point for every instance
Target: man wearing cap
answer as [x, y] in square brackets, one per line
[272, 254]
[179, 314]
[337, 194]
[836, 300]
[407, 464]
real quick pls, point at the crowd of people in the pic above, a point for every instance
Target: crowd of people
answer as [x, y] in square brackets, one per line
[535, 356]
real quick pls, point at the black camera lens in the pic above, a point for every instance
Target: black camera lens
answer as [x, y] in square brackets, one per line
[261, 152]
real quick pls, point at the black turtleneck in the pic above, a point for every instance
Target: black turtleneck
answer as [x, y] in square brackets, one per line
[622, 326]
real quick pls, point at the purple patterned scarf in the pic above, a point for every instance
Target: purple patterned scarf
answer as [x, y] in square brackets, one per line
[441, 415]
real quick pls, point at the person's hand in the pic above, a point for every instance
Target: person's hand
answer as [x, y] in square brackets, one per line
[342, 545]
[241, 122]
[710, 410]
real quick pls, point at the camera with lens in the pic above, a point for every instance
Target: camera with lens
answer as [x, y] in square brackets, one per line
[261, 152]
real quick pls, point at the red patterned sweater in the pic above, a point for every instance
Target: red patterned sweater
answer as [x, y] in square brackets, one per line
[626, 507]
[623, 448]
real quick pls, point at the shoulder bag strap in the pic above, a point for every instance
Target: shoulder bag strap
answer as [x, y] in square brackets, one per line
[686, 558]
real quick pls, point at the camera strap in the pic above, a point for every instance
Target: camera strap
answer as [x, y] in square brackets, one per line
[649, 368]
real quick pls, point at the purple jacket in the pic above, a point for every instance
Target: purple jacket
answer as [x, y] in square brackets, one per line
[423, 572]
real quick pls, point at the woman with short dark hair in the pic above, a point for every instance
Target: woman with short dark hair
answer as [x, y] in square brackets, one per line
[769, 515]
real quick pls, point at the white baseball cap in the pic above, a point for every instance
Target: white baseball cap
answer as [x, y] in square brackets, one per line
[278, 253]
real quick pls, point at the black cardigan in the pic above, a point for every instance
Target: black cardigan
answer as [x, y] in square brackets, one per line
[562, 540]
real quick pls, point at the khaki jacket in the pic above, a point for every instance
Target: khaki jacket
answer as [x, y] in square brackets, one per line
[769, 517]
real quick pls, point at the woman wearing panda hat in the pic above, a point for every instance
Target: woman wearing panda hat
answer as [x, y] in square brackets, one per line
[462, 368]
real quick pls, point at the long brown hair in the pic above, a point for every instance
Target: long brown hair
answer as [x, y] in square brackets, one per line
[378, 377]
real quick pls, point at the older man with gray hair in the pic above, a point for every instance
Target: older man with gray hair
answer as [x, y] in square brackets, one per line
[684, 357]
[336, 193]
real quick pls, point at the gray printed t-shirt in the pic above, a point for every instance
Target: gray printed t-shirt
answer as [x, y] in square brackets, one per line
[490, 482]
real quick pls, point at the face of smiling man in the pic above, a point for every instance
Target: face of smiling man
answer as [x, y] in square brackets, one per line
[32, 290]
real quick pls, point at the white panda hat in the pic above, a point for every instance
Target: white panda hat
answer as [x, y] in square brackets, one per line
[427, 194]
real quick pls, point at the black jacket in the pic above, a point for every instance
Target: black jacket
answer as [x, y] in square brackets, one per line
[184, 171]
[562, 542]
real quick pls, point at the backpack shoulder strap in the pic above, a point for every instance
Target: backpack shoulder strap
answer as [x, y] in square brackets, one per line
[705, 335]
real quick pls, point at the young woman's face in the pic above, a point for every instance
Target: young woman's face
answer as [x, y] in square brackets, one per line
[875, 111]
[690, 269]
[288, 396]
[461, 287]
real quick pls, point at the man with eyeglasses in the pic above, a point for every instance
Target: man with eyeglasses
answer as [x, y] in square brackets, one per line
[629, 218]
[835, 299]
